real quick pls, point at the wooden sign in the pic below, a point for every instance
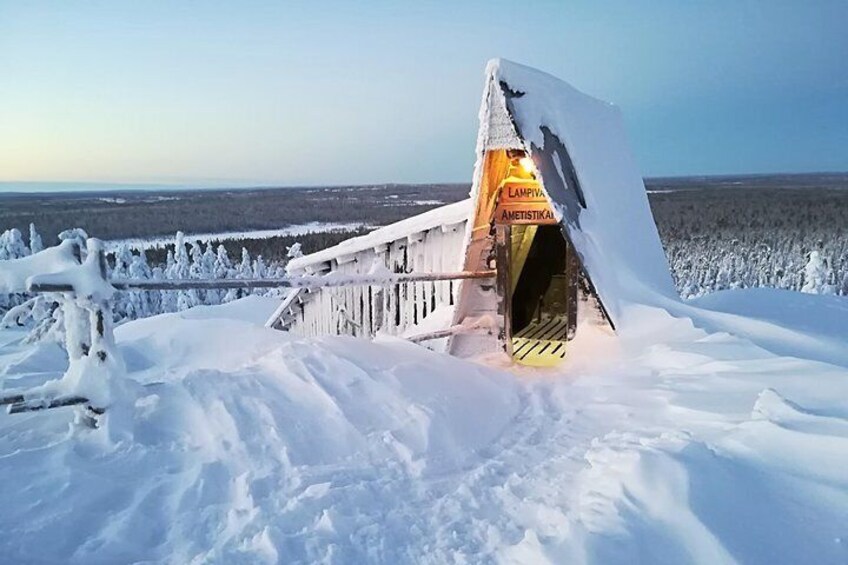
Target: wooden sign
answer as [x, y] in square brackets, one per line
[523, 203]
[514, 194]
[533, 213]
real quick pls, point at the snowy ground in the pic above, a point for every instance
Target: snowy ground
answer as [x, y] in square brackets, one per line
[709, 437]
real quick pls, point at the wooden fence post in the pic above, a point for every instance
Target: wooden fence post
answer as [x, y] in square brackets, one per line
[100, 309]
[77, 341]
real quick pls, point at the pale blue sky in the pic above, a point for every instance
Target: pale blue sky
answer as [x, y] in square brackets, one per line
[317, 92]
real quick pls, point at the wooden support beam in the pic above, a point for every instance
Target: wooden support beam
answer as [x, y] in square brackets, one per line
[503, 254]
[448, 332]
[572, 270]
[11, 399]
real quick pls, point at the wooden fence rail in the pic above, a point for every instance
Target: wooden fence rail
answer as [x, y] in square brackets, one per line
[92, 341]
[313, 282]
[91, 313]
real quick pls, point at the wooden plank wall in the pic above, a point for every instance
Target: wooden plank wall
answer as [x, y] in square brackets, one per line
[362, 311]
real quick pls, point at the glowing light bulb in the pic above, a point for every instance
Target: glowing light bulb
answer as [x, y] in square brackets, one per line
[527, 164]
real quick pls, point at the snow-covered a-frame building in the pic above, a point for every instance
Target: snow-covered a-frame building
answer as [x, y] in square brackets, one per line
[558, 211]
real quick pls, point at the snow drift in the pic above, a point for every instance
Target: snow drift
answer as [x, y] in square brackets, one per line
[249, 446]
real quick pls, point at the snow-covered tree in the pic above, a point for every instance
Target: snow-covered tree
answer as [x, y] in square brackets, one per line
[167, 298]
[35, 243]
[77, 234]
[223, 265]
[197, 270]
[140, 301]
[294, 250]
[208, 270]
[815, 274]
[182, 270]
[122, 307]
[245, 268]
[12, 245]
[259, 268]
[197, 266]
[181, 266]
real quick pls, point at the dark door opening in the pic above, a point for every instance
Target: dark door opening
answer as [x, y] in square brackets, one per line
[541, 293]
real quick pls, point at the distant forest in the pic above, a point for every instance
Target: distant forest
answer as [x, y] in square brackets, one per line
[718, 232]
[120, 215]
[752, 237]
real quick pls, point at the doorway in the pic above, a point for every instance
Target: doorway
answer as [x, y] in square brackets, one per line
[540, 293]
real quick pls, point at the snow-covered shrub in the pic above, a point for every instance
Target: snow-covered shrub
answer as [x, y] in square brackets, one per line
[294, 251]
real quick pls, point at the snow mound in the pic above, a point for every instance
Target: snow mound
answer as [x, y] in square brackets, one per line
[247, 445]
[239, 427]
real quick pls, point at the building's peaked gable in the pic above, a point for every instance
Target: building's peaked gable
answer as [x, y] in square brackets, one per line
[578, 144]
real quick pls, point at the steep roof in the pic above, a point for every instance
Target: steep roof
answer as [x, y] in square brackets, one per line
[579, 147]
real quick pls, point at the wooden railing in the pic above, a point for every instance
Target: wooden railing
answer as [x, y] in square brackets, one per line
[88, 306]
[310, 282]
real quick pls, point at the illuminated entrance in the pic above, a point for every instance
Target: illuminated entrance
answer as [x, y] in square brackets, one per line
[537, 270]
[561, 215]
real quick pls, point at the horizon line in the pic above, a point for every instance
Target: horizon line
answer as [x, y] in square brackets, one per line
[97, 186]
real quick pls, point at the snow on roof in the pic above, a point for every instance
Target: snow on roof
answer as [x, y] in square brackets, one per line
[443, 216]
[579, 146]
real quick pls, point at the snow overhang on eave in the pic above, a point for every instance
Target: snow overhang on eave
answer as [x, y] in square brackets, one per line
[443, 217]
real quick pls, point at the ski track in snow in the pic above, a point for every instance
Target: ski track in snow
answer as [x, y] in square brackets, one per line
[248, 445]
